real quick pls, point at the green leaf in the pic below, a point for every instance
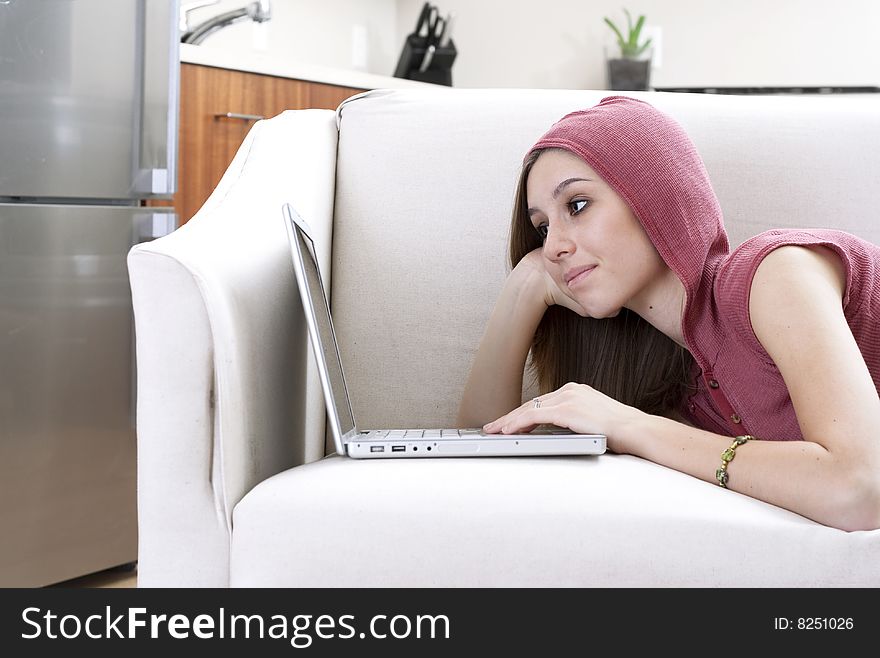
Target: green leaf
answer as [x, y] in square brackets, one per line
[620, 40]
[643, 47]
[634, 34]
[629, 22]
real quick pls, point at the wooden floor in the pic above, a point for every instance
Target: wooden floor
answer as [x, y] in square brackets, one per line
[118, 577]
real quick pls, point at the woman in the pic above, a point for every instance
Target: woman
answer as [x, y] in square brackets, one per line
[684, 353]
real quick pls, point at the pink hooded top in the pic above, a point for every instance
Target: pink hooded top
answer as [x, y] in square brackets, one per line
[652, 164]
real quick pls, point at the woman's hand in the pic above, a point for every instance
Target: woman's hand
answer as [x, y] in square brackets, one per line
[553, 294]
[579, 407]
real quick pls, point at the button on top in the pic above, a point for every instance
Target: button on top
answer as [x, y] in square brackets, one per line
[736, 419]
[713, 383]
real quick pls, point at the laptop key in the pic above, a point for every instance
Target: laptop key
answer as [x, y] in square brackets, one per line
[414, 434]
[453, 433]
[433, 434]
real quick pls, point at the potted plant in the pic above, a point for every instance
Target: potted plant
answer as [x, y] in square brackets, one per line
[632, 70]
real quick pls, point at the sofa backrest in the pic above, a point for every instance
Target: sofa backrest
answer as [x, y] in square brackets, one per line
[425, 184]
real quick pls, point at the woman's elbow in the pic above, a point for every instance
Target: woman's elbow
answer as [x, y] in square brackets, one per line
[861, 502]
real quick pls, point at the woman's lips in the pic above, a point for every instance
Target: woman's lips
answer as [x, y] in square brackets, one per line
[580, 277]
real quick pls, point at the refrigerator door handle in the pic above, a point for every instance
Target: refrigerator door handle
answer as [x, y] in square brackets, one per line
[152, 225]
[158, 85]
[151, 181]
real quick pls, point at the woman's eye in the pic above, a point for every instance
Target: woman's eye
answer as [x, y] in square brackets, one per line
[577, 205]
[542, 231]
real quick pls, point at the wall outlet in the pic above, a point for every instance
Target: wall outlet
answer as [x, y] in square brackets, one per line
[359, 47]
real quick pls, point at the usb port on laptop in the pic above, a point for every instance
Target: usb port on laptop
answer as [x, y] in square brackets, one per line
[398, 448]
[377, 448]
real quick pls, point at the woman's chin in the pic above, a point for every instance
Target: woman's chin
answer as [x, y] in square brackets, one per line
[602, 312]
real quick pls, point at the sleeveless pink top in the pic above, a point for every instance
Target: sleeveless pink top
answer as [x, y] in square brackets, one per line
[740, 389]
[649, 160]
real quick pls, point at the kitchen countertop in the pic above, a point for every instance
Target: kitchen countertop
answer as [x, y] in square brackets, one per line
[256, 62]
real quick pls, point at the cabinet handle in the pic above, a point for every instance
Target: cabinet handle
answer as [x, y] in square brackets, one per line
[236, 115]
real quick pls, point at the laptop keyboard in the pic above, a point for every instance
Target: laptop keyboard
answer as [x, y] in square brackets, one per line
[419, 434]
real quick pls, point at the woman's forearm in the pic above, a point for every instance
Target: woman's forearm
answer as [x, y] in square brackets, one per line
[800, 476]
[494, 385]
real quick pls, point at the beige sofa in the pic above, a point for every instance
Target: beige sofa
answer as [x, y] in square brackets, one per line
[409, 193]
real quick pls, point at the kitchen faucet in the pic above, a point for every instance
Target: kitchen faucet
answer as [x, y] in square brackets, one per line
[258, 12]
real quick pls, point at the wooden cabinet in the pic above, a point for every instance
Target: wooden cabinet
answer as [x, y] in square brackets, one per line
[217, 109]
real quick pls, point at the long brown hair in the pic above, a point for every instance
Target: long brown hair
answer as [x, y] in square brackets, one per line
[624, 357]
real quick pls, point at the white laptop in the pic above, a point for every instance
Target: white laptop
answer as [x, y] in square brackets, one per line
[400, 443]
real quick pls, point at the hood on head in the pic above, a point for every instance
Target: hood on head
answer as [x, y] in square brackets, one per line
[650, 161]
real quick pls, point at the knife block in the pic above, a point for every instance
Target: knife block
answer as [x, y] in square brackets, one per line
[438, 72]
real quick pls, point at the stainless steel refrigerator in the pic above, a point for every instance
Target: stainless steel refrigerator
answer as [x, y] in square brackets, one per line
[88, 133]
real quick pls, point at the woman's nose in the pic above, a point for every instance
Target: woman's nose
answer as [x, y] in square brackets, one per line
[558, 243]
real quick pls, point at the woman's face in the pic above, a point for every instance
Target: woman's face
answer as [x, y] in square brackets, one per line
[589, 229]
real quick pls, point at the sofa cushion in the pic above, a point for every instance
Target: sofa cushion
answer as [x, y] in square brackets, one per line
[608, 521]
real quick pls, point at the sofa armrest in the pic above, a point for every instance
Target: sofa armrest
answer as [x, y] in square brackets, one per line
[228, 394]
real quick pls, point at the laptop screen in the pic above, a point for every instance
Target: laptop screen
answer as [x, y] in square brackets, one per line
[325, 333]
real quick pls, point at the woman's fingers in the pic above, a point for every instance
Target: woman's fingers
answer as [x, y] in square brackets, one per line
[578, 407]
[524, 418]
[523, 422]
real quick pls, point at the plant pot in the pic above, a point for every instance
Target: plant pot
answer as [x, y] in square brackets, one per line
[629, 74]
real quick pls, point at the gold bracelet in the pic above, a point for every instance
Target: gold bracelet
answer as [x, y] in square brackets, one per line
[727, 457]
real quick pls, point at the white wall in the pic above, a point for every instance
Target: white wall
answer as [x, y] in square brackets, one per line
[559, 43]
[313, 32]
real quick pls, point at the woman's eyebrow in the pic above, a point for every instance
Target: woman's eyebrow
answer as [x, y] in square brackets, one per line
[566, 183]
[558, 190]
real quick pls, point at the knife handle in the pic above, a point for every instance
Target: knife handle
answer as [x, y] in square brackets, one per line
[426, 60]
